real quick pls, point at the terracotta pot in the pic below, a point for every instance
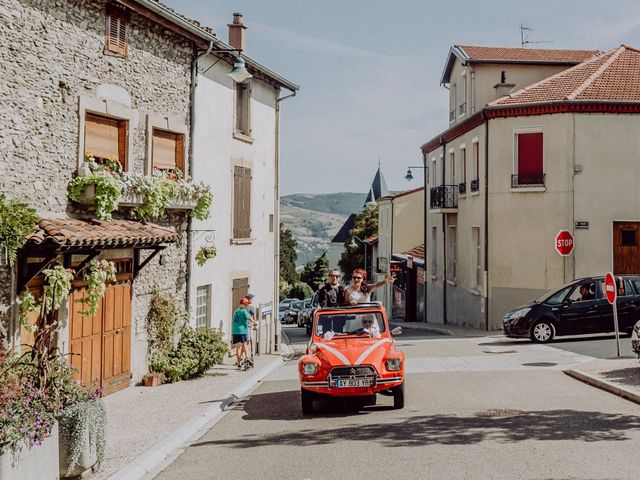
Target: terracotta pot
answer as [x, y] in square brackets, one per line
[153, 380]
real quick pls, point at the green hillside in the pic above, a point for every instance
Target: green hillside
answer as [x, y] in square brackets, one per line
[344, 203]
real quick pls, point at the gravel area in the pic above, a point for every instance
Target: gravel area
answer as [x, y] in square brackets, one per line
[139, 417]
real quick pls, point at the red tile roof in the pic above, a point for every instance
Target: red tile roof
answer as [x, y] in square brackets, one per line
[524, 55]
[68, 232]
[613, 76]
[417, 252]
[372, 240]
[402, 194]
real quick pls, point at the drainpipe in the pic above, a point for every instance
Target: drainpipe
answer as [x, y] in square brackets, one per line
[276, 220]
[444, 240]
[486, 221]
[424, 234]
[192, 123]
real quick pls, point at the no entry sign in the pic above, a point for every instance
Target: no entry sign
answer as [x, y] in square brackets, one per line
[610, 288]
[564, 242]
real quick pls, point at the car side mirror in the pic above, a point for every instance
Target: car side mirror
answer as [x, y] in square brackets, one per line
[566, 302]
[396, 331]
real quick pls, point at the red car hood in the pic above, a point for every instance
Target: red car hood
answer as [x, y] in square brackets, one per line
[354, 351]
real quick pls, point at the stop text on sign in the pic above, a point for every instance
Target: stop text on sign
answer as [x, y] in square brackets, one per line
[564, 242]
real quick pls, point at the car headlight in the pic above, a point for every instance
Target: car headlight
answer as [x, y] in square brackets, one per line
[393, 364]
[517, 313]
[310, 368]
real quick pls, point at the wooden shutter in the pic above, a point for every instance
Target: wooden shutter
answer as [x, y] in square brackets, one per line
[240, 289]
[116, 31]
[101, 137]
[241, 202]
[164, 149]
[529, 154]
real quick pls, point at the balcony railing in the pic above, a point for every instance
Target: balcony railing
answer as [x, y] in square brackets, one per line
[527, 180]
[462, 188]
[444, 196]
[462, 108]
[475, 185]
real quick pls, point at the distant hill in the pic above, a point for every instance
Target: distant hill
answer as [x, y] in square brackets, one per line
[314, 219]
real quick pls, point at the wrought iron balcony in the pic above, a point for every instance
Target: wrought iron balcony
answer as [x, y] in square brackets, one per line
[462, 188]
[452, 115]
[444, 197]
[462, 108]
[475, 185]
[527, 180]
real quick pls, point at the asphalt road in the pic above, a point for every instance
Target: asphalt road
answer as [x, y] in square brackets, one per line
[475, 409]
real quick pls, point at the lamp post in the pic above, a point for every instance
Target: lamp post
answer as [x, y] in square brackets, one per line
[409, 177]
[353, 244]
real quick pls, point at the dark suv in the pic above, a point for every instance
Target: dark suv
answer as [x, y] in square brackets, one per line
[574, 308]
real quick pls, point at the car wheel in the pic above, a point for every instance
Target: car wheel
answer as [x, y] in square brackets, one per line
[307, 401]
[398, 397]
[542, 331]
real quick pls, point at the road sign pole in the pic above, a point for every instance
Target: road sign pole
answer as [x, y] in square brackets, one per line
[615, 323]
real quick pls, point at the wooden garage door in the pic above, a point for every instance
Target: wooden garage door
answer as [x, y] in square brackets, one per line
[626, 248]
[101, 343]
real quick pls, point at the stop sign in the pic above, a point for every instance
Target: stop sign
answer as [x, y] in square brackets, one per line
[610, 288]
[564, 242]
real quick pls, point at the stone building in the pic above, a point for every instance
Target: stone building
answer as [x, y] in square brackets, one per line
[114, 79]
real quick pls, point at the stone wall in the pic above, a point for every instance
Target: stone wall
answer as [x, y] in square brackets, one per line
[52, 53]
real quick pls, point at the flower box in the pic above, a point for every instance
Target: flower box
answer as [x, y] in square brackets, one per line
[131, 199]
[35, 463]
[88, 456]
[182, 204]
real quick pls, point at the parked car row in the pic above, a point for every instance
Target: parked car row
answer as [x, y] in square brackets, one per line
[295, 311]
[577, 307]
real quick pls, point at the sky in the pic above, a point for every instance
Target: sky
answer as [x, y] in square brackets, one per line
[369, 71]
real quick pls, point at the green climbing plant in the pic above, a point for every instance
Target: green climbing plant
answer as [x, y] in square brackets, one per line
[17, 221]
[57, 285]
[28, 304]
[99, 272]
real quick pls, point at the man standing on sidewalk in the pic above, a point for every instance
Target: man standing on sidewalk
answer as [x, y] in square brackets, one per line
[332, 294]
[251, 308]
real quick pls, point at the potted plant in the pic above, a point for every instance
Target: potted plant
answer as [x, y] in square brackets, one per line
[205, 254]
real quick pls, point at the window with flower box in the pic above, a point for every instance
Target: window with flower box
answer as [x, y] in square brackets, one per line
[167, 150]
[106, 139]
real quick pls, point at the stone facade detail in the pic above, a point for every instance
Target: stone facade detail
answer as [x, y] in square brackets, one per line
[52, 55]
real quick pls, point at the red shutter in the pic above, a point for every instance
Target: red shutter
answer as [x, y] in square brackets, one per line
[529, 154]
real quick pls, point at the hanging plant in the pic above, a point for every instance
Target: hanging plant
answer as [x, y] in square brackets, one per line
[57, 285]
[107, 191]
[83, 424]
[203, 205]
[17, 221]
[99, 272]
[205, 254]
[28, 304]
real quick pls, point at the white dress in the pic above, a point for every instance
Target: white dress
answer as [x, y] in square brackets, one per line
[357, 296]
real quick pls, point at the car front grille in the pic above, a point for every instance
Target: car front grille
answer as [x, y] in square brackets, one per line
[348, 372]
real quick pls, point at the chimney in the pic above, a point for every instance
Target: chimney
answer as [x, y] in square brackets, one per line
[236, 32]
[503, 89]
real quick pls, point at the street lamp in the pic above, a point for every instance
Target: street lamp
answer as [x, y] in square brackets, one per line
[239, 73]
[353, 244]
[409, 177]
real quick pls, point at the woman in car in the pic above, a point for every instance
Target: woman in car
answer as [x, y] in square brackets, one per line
[359, 291]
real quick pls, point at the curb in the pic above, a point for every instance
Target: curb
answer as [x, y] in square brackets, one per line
[163, 453]
[440, 331]
[603, 385]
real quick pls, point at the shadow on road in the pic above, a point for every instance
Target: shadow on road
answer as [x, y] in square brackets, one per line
[447, 429]
[627, 376]
[576, 339]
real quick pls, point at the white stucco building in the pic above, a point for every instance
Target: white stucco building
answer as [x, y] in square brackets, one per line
[236, 151]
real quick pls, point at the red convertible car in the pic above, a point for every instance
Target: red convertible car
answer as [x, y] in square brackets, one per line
[351, 354]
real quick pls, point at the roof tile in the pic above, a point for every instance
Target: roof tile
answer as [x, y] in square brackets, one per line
[525, 55]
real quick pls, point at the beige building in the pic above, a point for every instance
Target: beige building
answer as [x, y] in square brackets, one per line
[558, 151]
[401, 229]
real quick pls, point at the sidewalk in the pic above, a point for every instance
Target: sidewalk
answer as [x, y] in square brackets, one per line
[620, 376]
[442, 329]
[148, 426]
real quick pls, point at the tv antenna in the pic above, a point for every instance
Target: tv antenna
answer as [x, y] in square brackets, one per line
[524, 38]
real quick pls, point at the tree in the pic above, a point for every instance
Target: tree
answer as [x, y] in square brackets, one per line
[315, 272]
[300, 291]
[288, 256]
[366, 224]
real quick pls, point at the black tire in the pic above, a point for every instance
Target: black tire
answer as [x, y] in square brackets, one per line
[542, 331]
[398, 397]
[307, 401]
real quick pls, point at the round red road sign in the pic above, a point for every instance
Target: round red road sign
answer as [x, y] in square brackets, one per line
[610, 288]
[564, 242]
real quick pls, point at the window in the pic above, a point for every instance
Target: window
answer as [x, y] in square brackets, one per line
[241, 202]
[203, 306]
[463, 106]
[627, 238]
[583, 292]
[167, 150]
[451, 254]
[463, 171]
[106, 139]
[529, 160]
[452, 168]
[243, 95]
[433, 171]
[476, 259]
[117, 20]
[434, 251]
[454, 99]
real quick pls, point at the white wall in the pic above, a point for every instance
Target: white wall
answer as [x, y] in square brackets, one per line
[215, 152]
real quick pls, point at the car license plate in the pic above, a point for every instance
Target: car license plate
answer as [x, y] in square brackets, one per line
[352, 382]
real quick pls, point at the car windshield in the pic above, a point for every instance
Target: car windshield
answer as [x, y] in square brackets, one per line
[297, 305]
[341, 324]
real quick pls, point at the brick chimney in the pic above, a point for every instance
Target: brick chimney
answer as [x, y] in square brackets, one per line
[236, 32]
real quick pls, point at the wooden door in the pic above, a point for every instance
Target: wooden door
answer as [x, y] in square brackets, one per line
[626, 248]
[101, 344]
